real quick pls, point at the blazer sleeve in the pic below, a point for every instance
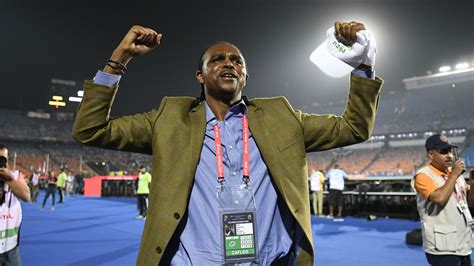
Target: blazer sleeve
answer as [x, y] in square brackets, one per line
[323, 132]
[93, 125]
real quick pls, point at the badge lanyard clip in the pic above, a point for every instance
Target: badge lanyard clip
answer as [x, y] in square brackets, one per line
[221, 183]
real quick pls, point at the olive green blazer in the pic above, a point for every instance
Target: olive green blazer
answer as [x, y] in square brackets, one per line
[174, 135]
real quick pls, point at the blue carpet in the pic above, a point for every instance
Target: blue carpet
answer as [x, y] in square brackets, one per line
[104, 231]
[82, 231]
[360, 242]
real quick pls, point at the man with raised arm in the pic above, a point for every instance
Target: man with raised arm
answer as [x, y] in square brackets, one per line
[222, 160]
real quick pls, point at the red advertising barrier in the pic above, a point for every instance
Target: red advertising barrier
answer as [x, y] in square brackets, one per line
[93, 185]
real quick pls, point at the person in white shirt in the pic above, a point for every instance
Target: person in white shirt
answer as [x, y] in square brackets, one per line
[35, 186]
[316, 183]
[336, 178]
[13, 188]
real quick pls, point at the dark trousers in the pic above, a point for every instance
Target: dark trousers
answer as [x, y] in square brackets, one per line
[34, 193]
[61, 194]
[448, 260]
[142, 203]
[50, 191]
[11, 258]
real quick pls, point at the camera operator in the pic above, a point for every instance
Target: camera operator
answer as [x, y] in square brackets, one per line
[12, 188]
[442, 205]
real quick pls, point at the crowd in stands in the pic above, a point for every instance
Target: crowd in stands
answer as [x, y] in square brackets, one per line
[434, 108]
[41, 144]
[398, 161]
[22, 127]
[44, 156]
[41, 155]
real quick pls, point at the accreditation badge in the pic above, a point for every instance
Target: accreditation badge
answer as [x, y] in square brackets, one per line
[237, 223]
[463, 207]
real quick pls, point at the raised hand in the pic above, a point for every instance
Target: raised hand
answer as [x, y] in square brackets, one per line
[138, 41]
[458, 168]
[5, 174]
[363, 56]
[348, 30]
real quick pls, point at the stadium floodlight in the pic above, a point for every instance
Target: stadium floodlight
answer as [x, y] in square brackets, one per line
[75, 99]
[57, 101]
[462, 65]
[444, 69]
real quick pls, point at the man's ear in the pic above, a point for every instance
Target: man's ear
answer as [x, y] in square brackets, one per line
[430, 154]
[247, 77]
[199, 77]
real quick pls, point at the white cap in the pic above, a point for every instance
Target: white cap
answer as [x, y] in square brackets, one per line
[337, 60]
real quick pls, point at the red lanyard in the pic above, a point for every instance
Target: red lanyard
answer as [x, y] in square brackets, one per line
[246, 152]
[456, 188]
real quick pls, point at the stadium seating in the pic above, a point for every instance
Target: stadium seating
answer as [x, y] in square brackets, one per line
[47, 143]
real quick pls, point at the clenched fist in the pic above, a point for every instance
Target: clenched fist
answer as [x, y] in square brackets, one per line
[138, 41]
[353, 44]
[348, 30]
[458, 168]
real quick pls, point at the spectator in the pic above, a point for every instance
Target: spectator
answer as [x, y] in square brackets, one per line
[143, 189]
[470, 193]
[336, 177]
[13, 188]
[35, 186]
[50, 189]
[316, 182]
[78, 183]
[61, 184]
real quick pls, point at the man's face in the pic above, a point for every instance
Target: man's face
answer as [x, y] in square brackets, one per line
[4, 153]
[441, 159]
[224, 72]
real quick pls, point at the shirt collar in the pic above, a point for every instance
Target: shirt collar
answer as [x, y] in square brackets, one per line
[438, 172]
[238, 108]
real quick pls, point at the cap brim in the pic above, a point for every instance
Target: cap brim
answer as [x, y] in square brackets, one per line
[443, 146]
[328, 63]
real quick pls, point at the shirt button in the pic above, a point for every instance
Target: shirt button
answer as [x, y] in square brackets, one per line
[226, 123]
[176, 215]
[158, 250]
[234, 173]
[230, 147]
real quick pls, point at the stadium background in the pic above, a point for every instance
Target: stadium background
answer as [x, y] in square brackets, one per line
[49, 49]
